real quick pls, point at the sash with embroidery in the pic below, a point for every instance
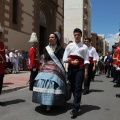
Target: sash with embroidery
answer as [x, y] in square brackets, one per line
[55, 59]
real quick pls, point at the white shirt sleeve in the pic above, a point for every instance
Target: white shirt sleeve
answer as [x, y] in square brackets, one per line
[94, 55]
[10, 54]
[66, 54]
[86, 57]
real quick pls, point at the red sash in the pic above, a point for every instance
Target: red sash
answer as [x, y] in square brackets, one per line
[91, 60]
[2, 58]
[81, 60]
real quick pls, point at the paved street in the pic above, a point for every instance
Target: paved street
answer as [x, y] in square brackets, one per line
[15, 81]
[99, 104]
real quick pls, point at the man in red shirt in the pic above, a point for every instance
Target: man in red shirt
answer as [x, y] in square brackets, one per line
[2, 63]
[116, 65]
[34, 60]
[116, 59]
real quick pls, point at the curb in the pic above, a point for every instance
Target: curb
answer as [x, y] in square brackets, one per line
[13, 89]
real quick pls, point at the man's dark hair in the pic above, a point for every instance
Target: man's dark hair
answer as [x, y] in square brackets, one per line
[77, 30]
[113, 47]
[70, 42]
[88, 38]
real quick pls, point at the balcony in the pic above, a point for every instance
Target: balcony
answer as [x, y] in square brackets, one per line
[86, 7]
[85, 28]
[85, 17]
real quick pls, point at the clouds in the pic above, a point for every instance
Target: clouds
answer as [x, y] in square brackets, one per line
[111, 38]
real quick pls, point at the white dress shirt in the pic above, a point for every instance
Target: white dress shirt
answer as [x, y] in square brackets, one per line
[97, 56]
[92, 52]
[11, 56]
[53, 47]
[78, 49]
[7, 57]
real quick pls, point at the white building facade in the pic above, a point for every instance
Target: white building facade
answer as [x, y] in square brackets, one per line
[77, 14]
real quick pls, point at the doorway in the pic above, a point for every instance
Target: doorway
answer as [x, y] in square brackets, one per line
[42, 38]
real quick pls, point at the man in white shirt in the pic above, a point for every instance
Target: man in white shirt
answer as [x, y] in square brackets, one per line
[105, 65]
[11, 56]
[92, 65]
[76, 54]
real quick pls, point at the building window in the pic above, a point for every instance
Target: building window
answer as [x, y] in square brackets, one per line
[15, 11]
[42, 18]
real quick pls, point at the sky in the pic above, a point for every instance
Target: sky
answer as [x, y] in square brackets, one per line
[105, 17]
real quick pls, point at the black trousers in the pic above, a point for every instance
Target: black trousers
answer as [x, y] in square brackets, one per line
[106, 68]
[93, 74]
[118, 79]
[90, 76]
[76, 76]
[1, 82]
[109, 70]
[32, 78]
[115, 74]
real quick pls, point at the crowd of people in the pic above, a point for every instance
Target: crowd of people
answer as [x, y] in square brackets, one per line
[110, 65]
[49, 85]
[16, 60]
[48, 74]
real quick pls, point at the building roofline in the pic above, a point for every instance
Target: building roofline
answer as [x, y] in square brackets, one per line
[90, 3]
[93, 33]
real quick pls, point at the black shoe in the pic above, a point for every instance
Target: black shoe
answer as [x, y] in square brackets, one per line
[116, 85]
[118, 95]
[47, 108]
[114, 81]
[74, 113]
[85, 92]
[2, 103]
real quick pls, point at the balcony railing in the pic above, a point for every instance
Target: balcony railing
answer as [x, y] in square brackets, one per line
[85, 17]
[86, 7]
[85, 27]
